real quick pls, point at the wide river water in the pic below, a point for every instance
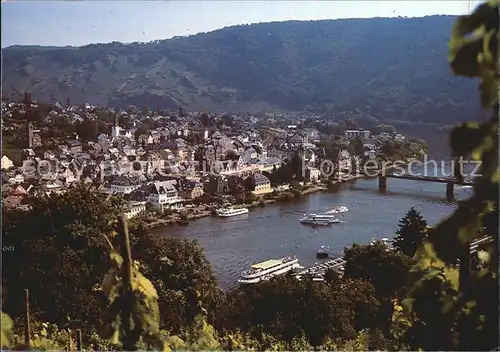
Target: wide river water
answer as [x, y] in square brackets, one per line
[274, 231]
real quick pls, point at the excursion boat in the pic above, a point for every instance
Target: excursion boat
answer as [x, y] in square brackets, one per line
[384, 241]
[318, 278]
[318, 219]
[323, 253]
[338, 210]
[268, 269]
[227, 212]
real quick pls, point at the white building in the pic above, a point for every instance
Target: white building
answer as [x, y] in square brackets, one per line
[281, 152]
[6, 163]
[135, 208]
[18, 178]
[399, 137]
[262, 185]
[314, 174]
[124, 185]
[371, 153]
[268, 164]
[344, 161]
[350, 134]
[115, 130]
[163, 194]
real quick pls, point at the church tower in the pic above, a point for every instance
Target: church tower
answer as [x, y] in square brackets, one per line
[30, 135]
[115, 130]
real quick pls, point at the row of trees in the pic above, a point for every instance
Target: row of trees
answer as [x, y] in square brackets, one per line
[424, 302]
[291, 170]
[60, 255]
[450, 307]
[401, 150]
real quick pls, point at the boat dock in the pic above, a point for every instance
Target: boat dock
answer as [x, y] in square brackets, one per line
[320, 269]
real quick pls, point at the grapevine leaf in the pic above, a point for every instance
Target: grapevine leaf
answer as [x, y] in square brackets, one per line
[143, 285]
[468, 232]
[174, 342]
[7, 332]
[116, 258]
[465, 138]
[109, 283]
[426, 257]
[489, 90]
[452, 277]
[483, 256]
[463, 60]
[467, 24]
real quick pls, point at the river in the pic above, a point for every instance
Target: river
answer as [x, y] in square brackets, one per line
[274, 231]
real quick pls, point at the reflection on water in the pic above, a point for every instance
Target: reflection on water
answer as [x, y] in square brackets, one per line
[232, 244]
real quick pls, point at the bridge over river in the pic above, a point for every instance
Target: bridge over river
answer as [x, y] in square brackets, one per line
[449, 181]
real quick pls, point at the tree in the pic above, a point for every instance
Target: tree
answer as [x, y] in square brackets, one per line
[356, 147]
[180, 273]
[351, 124]
[237, 188]
[27, 98]
[205, 119]
[231, 155]
[249, 184]
[227, 120]
[385, 269]
[411, 234]
[287, 309]
[362, 299]
[34, 114]
[140, 130]
[296, 167]
[449, 308]
[61, 255]
[148, 124]
[64, 126]
[86, 130]
[182, 112]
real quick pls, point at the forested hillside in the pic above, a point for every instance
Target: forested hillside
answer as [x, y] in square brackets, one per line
[90, 277]
[390, 69]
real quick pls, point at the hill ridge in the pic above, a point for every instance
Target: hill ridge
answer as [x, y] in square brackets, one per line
[381, 68]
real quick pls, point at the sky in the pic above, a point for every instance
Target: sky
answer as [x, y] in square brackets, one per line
[61, 23]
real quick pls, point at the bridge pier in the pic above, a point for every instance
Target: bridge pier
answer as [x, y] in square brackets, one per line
[382, 183]
[450, 190]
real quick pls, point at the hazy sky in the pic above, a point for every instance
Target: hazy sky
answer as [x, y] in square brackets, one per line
[84, 22]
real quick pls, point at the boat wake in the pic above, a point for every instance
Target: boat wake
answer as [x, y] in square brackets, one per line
[338, 210]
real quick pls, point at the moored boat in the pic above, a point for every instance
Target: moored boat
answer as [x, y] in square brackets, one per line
[319, 219]
[318, 271]
[387, 242]
[323, 253]
[338, 210]
[268, 269]
[227, 212]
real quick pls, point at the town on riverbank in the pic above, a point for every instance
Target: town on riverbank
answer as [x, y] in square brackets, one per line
[175, 166]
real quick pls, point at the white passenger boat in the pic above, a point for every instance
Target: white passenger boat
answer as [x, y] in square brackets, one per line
[270, 268]
[338, 210]
[319, 219]
[323, 252]
[227, 212]
[387, 242]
